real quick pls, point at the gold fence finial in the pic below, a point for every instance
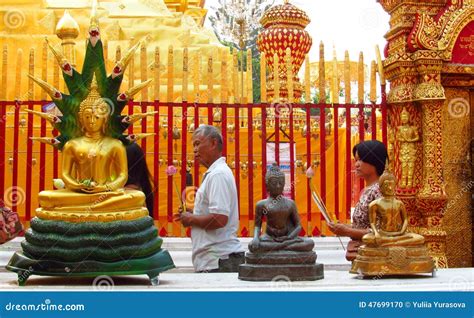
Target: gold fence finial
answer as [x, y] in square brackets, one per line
[380, 65]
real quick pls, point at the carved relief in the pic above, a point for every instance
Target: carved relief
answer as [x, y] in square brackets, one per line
[407, 136]
[457, 172]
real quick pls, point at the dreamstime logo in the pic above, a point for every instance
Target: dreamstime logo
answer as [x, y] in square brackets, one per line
[369, 18]
[103, 282]
[281, 110]
[458, 107]
[14, 196]
[14, 19]
[189, 194]
[281, 282]
[104, 107]
[459, 283]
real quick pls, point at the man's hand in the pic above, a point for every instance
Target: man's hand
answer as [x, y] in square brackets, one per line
[180, 209]
[185, 218]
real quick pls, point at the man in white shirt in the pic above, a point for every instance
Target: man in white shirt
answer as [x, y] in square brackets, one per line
[215, 219]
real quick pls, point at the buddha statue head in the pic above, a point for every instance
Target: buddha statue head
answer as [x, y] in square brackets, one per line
[405, 116]
[275, 180]
[387, 182]
[94, 112]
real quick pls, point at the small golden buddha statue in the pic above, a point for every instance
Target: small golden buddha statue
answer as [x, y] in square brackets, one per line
[94, 167]
[388, 219]
[389, 249]
[407, 136]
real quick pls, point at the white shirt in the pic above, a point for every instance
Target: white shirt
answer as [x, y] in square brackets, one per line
[218, 195]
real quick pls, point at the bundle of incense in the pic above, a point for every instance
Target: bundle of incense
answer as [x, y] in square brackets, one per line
[319, 202]
[316, 198]
[171, 171]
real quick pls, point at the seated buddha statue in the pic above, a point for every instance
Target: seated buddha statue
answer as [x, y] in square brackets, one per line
[388, 219]
[93, 225]
[279, 251]
[94, 167]
[389, 249]
[283, 222]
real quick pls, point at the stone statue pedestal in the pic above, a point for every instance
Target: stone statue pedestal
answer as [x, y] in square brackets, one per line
[389, 261]
[91, 248]
[293, 266]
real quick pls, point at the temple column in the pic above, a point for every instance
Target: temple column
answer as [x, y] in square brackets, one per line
[431, 199]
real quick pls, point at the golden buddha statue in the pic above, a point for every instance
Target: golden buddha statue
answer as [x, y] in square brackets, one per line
[94, 167]
[388, 219]
[93, 226]
[407, 136]
[389, 249]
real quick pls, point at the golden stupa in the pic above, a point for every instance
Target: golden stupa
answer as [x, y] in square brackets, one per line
[157, 23]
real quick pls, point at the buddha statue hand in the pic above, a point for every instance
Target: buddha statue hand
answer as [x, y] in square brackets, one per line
[281, 238]
[96, 189]
[377, 238]
[254, 244]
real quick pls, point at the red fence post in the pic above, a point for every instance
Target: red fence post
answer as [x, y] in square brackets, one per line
[250, 159]
[184, 145]
[336, 160]
[169, 163]
[29, 163]
[322, 149]
[264, 149]
[237, 152]
[348, 174]
[292, 155]
[156, 158]
[308, 160]
[14, 195]
[3, 125]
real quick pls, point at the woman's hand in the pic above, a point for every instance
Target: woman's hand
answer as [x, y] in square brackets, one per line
[340, 229]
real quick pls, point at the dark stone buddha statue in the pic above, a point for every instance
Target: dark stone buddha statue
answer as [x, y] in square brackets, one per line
[279, 252]
[283, 221]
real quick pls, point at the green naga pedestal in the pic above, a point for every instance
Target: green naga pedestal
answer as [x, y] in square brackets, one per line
[93, 226]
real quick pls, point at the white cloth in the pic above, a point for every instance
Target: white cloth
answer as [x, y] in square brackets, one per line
[218, 195]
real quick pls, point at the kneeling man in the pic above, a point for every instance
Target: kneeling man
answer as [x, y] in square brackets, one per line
[214, 221]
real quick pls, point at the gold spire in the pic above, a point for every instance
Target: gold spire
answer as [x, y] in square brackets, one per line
[122, 64]
[67, 27]
[94, 19]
